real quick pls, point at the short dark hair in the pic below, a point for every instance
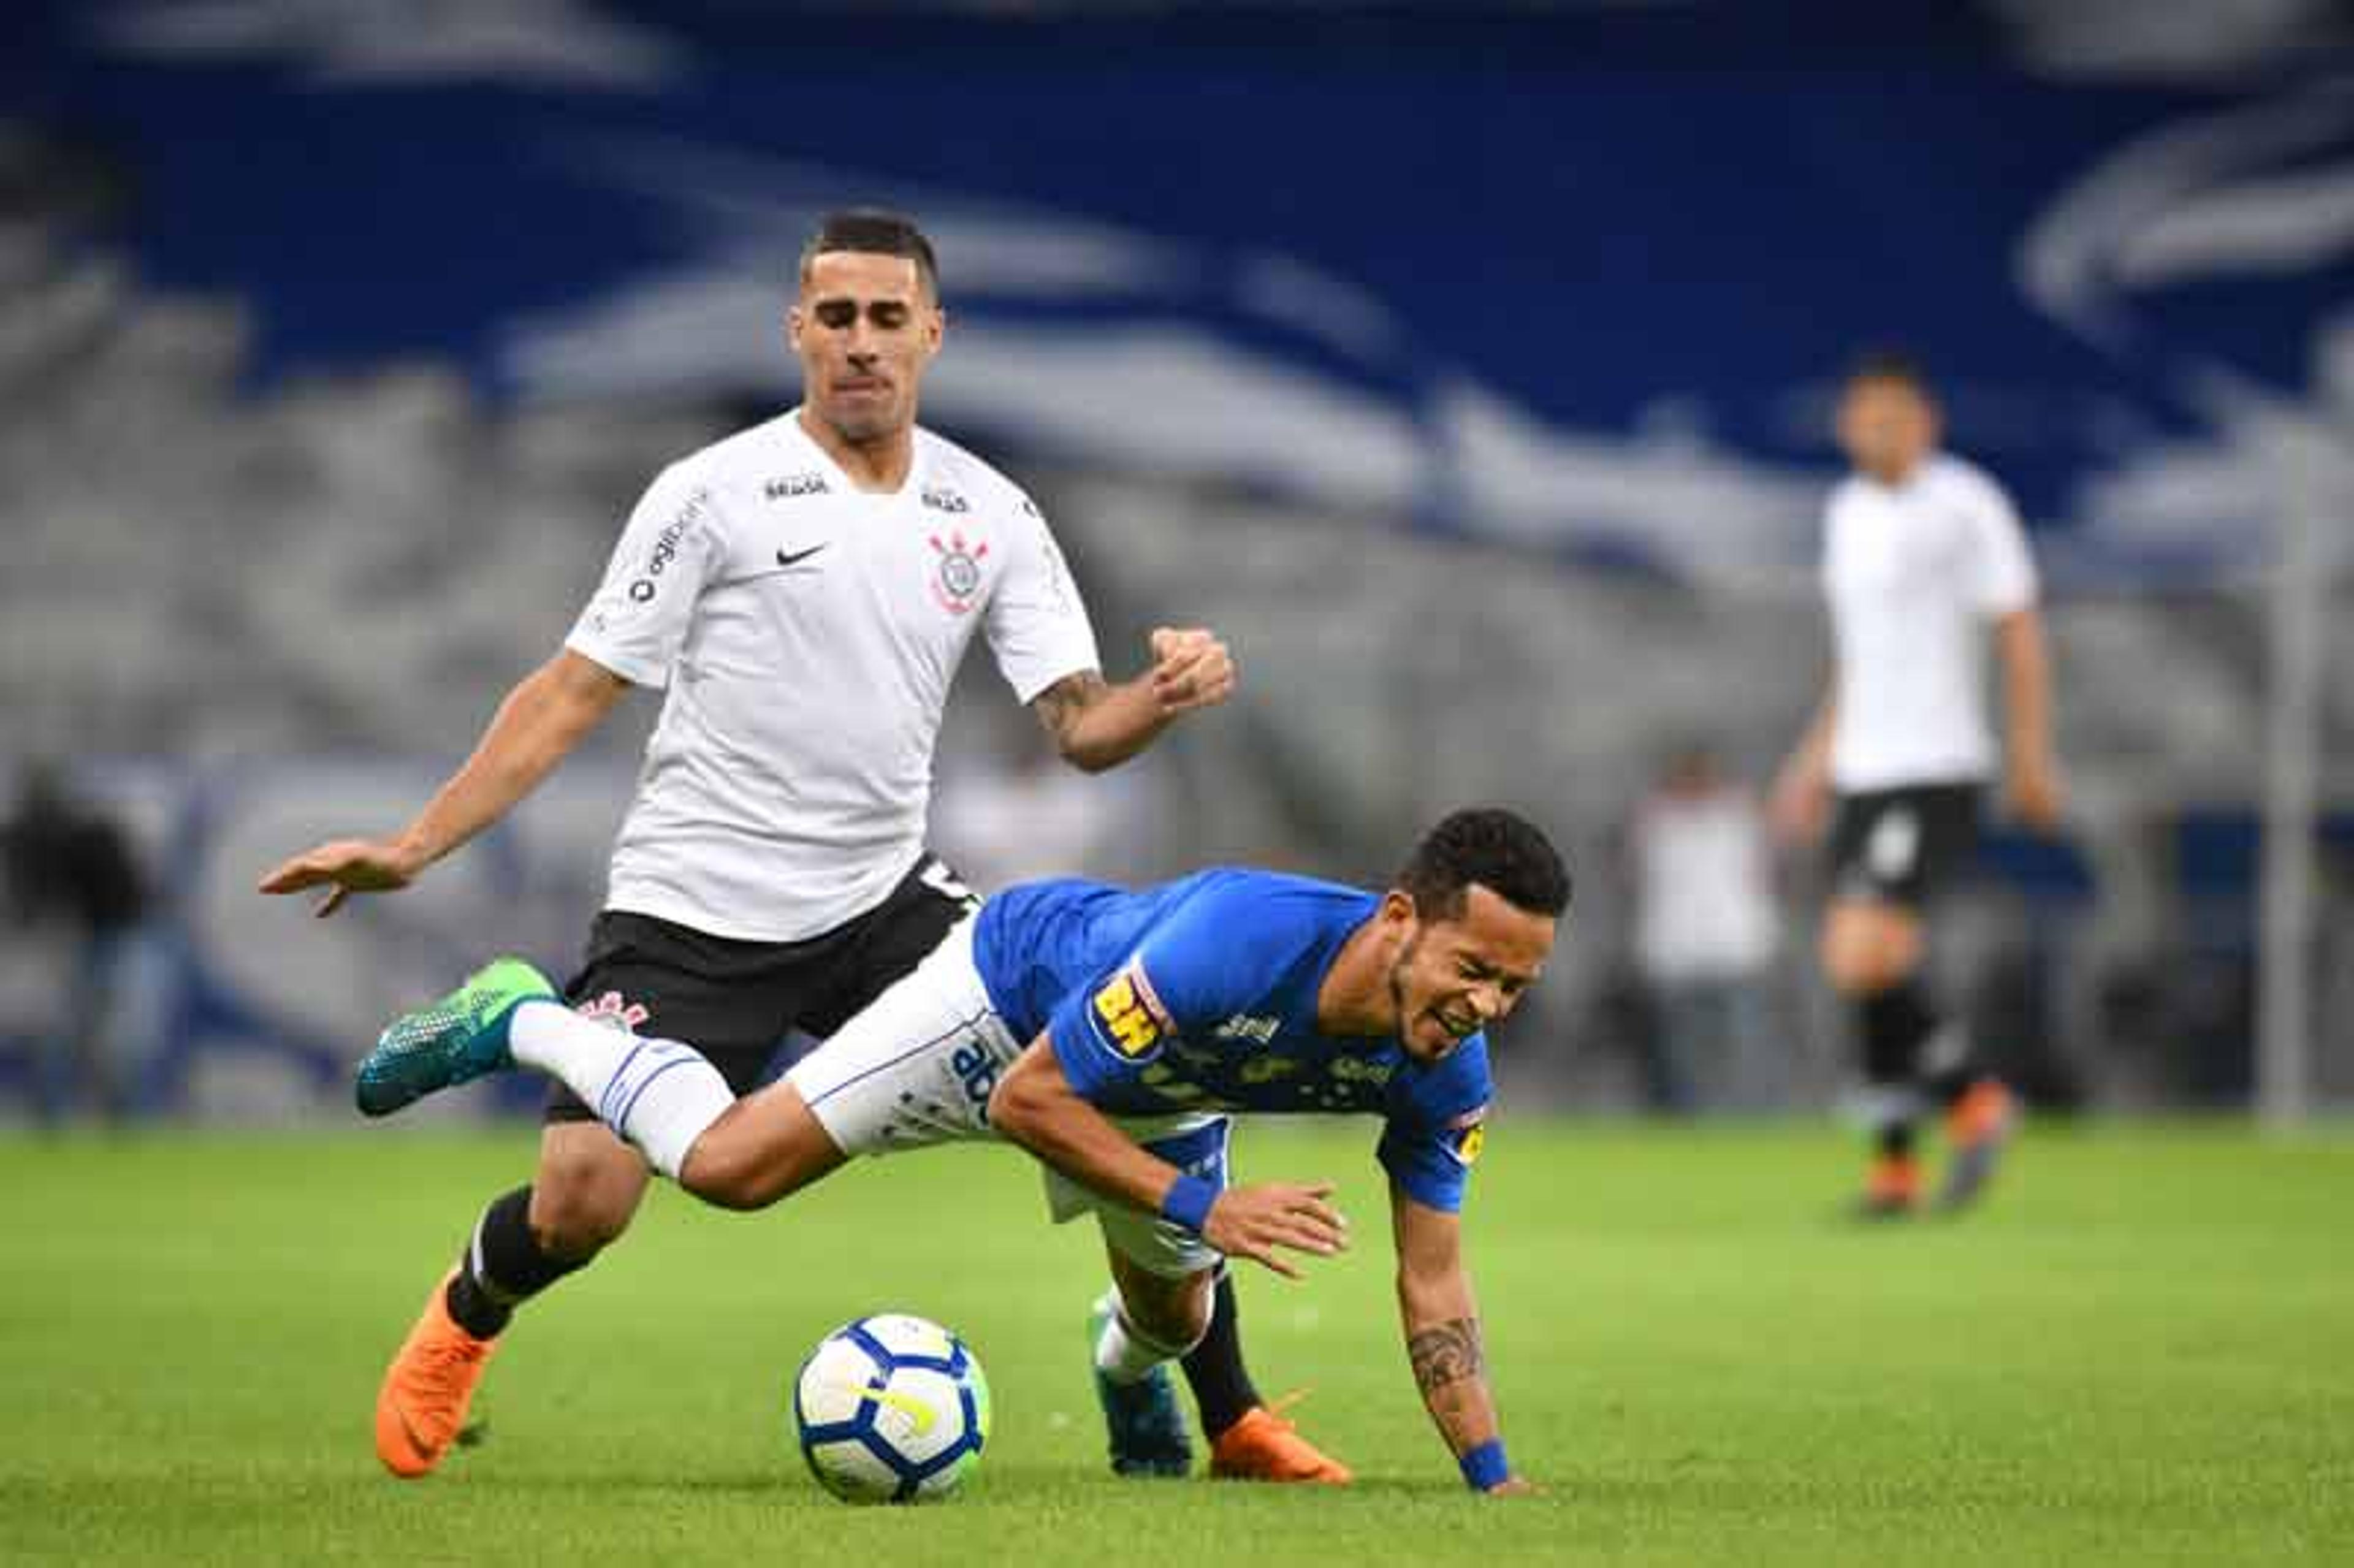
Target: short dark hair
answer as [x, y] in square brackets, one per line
[1887, 363]
[874, 231]
[1499, 851]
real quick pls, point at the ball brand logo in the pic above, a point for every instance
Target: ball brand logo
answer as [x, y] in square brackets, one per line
[956, 582]
[793, 484]
[921, 1417]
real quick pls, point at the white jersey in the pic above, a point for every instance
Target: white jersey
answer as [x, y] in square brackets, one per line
[1704, 904]
[1913, 572]
[806, 632]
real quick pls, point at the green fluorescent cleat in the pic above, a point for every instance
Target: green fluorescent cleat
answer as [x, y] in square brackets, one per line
[457, 1039]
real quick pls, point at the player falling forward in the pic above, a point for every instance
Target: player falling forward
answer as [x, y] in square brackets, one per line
[805, 590]
[1109, 1032]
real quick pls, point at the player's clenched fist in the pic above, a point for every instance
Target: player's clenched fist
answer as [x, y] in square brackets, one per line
[1190, 668]
[1253, 1222]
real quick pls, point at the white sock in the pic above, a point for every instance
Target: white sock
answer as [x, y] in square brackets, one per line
[657, 1094]
[1123, 1352]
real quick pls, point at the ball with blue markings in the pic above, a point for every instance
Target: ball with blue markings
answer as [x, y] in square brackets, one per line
[891, 1408]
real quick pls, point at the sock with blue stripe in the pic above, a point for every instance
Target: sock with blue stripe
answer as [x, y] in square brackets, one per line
[656, 1094]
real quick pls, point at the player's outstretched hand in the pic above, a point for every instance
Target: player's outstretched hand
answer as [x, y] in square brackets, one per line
[346, 866]
[1190, 668]
[1254, 1222]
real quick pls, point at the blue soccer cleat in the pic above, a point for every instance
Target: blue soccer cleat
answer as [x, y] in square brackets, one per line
[459, 1038]
[1147, 1427]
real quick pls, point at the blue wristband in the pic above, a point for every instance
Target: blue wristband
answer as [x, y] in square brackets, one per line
[1188, 1203]
[1485, 1466]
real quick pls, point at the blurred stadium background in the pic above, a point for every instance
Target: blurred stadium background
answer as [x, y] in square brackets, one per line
[1467, 365]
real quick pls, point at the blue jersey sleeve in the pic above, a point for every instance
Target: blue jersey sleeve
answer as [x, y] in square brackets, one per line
[1433, 1138]
[1108, 1032]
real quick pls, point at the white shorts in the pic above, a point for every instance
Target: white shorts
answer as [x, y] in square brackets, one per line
[916, 1066]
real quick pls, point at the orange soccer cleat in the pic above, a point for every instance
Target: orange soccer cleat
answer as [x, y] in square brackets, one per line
[1264, 1446]
[422, 1405]
[1892, 1188]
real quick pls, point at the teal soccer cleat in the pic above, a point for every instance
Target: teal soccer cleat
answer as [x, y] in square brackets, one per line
[1147, 1426]
[459, 1038]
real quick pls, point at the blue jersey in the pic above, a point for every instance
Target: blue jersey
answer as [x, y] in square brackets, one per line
[1200, 994]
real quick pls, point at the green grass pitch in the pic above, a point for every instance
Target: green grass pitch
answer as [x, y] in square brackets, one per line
[2141, 1350]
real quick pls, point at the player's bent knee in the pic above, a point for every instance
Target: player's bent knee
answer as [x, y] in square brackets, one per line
[764, 1148]
[1868, 947]
[727, 1177]
[579, 1220]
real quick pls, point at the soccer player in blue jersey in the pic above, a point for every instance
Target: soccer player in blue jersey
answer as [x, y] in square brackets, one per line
[1109, 1032]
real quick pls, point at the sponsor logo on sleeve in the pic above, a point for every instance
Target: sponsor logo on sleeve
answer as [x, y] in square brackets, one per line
[1467, 1135]
[665, 550]
[1130, 1016]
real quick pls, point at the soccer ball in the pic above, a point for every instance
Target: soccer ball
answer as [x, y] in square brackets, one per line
[891, 1408]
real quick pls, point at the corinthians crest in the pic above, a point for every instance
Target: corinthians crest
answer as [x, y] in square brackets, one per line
[956, 581]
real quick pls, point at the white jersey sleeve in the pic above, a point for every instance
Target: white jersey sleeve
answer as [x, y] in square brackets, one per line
[1038, 628]
[638, 619]
[2000, 571]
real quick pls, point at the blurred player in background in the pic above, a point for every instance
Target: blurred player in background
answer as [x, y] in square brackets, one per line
[804, 590]
[1109, 1032]
[1922, 553]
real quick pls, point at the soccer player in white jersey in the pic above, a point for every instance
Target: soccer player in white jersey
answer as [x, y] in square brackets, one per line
[803, 592]
[1922, 558]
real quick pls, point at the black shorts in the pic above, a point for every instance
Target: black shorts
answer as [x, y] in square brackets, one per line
[1905, 845]
[737, 1002]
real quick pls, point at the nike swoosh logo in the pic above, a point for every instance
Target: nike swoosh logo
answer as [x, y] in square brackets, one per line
[922, 1417]
[423, 1453]
[795, 558]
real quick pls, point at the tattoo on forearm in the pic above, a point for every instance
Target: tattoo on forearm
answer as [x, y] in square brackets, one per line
[1059, 704]
[1449, 1353]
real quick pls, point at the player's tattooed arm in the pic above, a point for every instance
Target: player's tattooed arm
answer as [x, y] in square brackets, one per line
[1447, 1353]
[1441, 1323]
[1097, 725]
[1061, 705]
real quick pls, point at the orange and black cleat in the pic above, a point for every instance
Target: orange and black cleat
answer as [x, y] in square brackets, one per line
[1264, 1446]
[422, 1405]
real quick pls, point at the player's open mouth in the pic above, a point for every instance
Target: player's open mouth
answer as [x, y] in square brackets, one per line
[1457, 1027]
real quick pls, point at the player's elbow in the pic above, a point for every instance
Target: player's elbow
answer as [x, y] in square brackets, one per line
[1008, 1111]
[1086, 758]
[1015, 1107]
